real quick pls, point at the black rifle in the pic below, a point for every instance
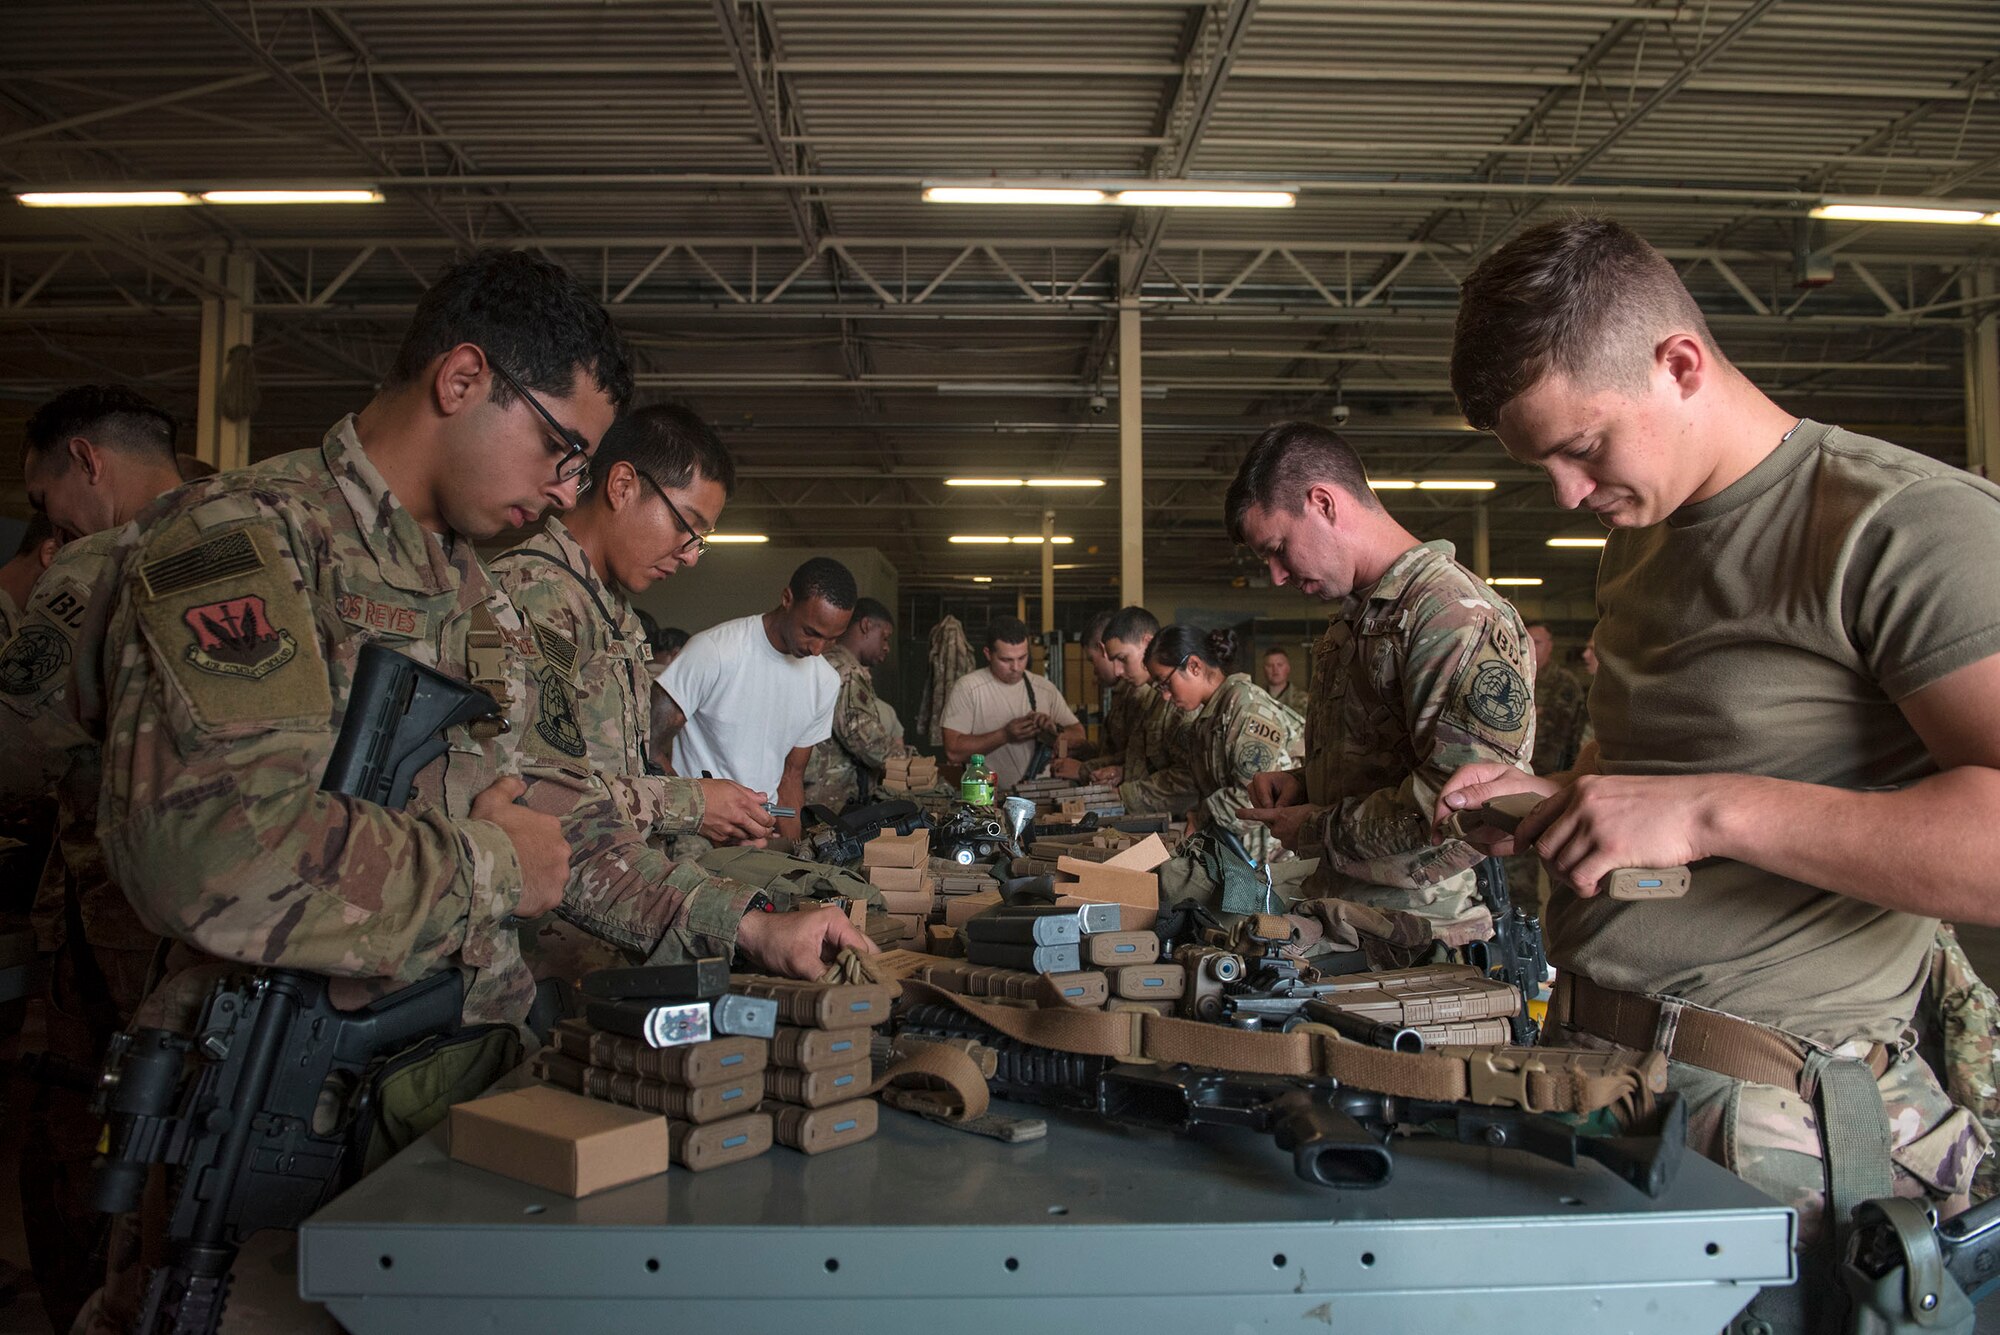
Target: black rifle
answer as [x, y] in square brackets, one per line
[837, 839]
[1338, 1135]
[1515, 955]
[395, 713]
[244, 1130]
[240, 1111]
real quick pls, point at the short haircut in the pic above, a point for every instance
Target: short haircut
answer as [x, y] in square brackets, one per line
[1093, 634]
[1285, 463]
[1131, 625]
[824, 577]
[529, 315]
[1583, 297]
[1006, 630]
[669, 444]
[669, 640]
[1278, 651]
[1177, 643]
[873, 609]
[107, 415]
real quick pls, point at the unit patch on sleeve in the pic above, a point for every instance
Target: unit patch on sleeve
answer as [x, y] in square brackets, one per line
[235, 638]
[33, 656]
[555, 718]
[1490, 701]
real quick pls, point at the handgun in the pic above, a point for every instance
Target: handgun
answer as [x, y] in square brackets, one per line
[1506, 813]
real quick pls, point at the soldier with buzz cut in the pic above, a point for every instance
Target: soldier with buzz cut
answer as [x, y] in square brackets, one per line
[658, 483]
[1286, 689]
[1155, 771]
[1421, 670]
[847, 765]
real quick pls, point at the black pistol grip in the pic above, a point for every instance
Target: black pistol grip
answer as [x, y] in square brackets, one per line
[1329, 1148]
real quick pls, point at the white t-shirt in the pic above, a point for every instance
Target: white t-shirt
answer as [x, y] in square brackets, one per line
[747, 704]
[980, 703]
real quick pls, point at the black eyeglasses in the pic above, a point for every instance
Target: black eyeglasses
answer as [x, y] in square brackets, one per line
[569, 444]
[1160, 684]
[696, 539]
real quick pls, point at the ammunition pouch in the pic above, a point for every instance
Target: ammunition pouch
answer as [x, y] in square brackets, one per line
[409, 1093]
[1895, 1276]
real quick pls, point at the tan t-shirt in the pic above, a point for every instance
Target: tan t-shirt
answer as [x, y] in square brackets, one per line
[980, 703]
[1771, 630]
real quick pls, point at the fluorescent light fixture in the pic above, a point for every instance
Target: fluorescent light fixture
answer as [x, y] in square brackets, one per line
[1455, 484]
[1035, 540]
[1863, 211]
[982, 579]
[102, 199]
[1065, 481]
[1011, 194]
[1576, 542]
[1391, 484]
[965, 538]
[983, 482]
[1516, 581]
[738, 537]
[341, 195]
[1184, 198]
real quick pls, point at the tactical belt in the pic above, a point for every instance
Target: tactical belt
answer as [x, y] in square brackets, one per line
[1724, 1044]
[1533, 1079]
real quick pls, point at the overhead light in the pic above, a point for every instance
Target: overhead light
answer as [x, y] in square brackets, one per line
[1065, 481]
[1883, 211]
[1128, 193]
[102, 199]
[1050, 389]
[1391, 484]
[982, 579]
[1576, 542]
[1036, 540]
[1004, 194]
[983, 482]
[964, 538]
[1455, 484]
[346, 195]
[1206, 199]
[1515, 581]
[738, 537]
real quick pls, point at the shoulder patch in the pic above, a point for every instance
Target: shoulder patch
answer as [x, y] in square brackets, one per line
[35, 654]
[555, 715]
[234, 637]
[556, 647]
[1491, 701]
[224, 556]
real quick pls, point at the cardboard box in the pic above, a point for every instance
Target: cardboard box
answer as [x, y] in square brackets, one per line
[1126, 879]
[912, 925]
[961, 909]
[889, 849]
[898, 878]
[918, 902]
[561, 1141]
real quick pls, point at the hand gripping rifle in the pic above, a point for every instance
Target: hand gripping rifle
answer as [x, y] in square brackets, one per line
[262, 1114]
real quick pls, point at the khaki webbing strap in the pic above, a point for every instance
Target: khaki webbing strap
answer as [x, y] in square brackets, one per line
[486, 657]
[913, 1083]
[1536, 1079]
[1737, 1048]
[1854, 1127]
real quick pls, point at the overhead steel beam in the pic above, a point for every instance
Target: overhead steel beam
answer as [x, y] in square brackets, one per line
[354, 142]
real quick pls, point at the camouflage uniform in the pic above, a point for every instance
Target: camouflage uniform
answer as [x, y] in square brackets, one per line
[239, 618]
[1121, 720]
[591, 636]
[1562, 712]
[1423, 673]
[1294, 697]
[1240, 733]
[1159, 774]
[862, 736]
[51, 723]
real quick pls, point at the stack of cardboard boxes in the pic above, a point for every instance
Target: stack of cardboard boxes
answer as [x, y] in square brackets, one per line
[899, 865]
[909, 774]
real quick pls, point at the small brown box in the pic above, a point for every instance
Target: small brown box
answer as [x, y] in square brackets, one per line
[889, 849]
[561, 1141]
[816, 1130]
[816, 1049]
[905, 879]
[1148, 982]
[1111, 949]
[912, 926]
[698, 1148]
[917, 902]
[962, 909]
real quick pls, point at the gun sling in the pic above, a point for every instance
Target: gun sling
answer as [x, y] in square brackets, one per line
[1533, 1079]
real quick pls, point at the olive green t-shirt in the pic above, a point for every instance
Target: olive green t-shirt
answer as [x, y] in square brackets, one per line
[1771, 629]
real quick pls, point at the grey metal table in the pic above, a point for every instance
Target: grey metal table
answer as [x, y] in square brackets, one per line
[1095, 1228]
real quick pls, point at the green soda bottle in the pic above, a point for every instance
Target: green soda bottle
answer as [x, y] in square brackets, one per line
[976, 785]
